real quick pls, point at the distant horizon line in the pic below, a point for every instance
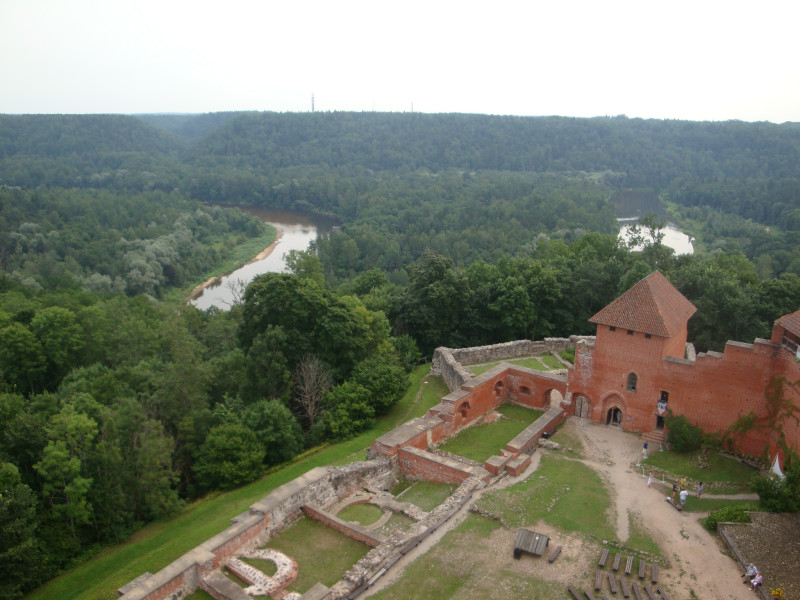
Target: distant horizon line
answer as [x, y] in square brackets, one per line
[403, 112]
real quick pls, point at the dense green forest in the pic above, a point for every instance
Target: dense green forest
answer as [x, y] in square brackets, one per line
[119, 403]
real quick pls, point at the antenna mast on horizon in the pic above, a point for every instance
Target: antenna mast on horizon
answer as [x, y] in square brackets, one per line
[312, 102]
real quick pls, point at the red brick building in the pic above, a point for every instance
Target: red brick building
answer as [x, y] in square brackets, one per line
[640, 366]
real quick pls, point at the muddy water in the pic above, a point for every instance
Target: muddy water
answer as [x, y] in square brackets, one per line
[295, 232]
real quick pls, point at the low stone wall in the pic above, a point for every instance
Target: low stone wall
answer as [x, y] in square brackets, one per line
[377, 561]
[526, 441]
[448, 362]
[419, 464]
[351, 530]
[323, 486]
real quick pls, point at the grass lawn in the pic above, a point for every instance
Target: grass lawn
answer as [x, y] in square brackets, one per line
[366, 514]
[397, 522]
[487, 439]
[572, 444]
[720, 468]
[708, 504]
[155, 546]
[531, 362]
[551, 361]
[428, 494]
[322, 554]
[457, 568]
[199, 594]
[565, 493]
[267, 567]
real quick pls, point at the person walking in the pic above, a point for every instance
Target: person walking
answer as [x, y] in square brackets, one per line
[699, 489]
[650, 479]
[644, 450]
[684, 494]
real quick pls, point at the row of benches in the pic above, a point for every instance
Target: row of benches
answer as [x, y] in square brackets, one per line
[627, 590]
[629, 565]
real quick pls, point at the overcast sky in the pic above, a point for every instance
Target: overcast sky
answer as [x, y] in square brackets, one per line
[694, 59]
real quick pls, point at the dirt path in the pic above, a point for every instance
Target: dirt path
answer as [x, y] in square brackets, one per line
[698, 562]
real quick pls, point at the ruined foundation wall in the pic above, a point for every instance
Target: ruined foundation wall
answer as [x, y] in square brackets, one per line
[448, 362]
[321, 486]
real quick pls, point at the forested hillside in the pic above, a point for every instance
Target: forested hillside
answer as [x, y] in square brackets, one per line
[118, 403]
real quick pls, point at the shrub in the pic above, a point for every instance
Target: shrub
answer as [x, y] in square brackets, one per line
[683, 436]
[729, 514]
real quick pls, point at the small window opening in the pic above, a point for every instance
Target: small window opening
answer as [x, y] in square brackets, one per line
[647, 336]
[612, 328]
[630, 331]
[632, 382]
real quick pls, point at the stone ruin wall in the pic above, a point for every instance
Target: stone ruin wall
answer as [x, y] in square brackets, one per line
[448, 362]
[276, 511]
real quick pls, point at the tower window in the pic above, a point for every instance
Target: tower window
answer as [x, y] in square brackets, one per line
[632, 382]
[630, 331]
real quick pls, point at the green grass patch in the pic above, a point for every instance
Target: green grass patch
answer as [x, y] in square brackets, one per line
[456, 568]
[565, 493]
[531, 362]
[155, 546]
[551, 361]
[569, 441]
[428, 494]
[366, 514]
[322, 554]
[397, 522]
[720, 468]
[267, 567]
[480, 442]
[706, 505]
[199, 594]
[235, 578]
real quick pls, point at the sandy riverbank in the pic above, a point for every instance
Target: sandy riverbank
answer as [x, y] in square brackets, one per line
[198, 291]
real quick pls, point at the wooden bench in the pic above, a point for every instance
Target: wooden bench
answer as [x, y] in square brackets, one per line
[662, 592]
[628, 565]
[654, 573]
[530, 542]
[555, 554]
[612, 583]
[642, 567]
[651, 594]
[623, 583]
[598, 580]
[589, 595]
[603, 558]
[617, 558]
[574, 592]
[636, 591]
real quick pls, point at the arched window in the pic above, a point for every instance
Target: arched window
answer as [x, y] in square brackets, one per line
[632, 382]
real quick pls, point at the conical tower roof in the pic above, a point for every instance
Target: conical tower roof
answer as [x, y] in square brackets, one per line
[651, 306]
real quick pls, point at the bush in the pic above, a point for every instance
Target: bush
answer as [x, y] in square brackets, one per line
[729, 514]
[683, 436]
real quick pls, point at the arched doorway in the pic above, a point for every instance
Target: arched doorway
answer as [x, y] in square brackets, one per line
[499, 390]
[464, 409]
[582, 407]
[554, 398]
[614, 416]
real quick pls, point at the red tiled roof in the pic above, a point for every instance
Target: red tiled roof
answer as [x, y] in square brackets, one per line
[651, 306]
[790, 322]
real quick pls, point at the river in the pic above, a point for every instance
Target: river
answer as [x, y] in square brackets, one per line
[295, 232]
[673, 237]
